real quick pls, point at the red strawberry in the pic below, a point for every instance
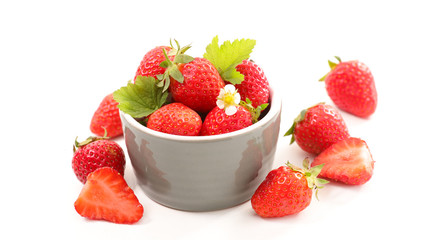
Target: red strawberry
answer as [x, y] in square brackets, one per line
[351, 87]
[150, 64]
[317, 128]
[255, 85]
[106, 196]
[286, 190]
[218, 122]
[177, 119]
[348, 161]
[94, 153]
[107, 118]
[200, 87]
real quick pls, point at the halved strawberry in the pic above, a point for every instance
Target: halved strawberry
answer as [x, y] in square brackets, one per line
[106, 196]
[348, 161]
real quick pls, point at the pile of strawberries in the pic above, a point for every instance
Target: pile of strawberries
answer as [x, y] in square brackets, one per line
[175, 93]
[219, 93]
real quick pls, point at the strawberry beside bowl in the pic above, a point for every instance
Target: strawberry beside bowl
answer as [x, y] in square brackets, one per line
[203, 173]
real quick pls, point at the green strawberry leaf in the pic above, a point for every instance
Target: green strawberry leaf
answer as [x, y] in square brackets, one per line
[226, 57]
[141, 98]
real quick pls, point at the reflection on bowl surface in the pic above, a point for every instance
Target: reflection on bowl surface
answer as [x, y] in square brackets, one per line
[203, 173]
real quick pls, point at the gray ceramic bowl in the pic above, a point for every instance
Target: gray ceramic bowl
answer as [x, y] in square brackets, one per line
[203, 173]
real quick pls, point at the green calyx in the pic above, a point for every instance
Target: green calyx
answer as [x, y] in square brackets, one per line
[255, 112]
[172, 69]
[298, 119]
[332, 66]
[311, 175]
[88, 140]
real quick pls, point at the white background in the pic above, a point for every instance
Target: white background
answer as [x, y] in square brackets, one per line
[59, 59]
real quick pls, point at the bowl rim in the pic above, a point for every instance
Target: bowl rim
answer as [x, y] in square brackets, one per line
[275, 109]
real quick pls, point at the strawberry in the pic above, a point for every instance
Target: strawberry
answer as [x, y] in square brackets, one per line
[351, 87]
[218, 122]
[286, 190]
[107, 118]
[106, 196]
[348, 161]
[150, 64]
[200, 86]
[255, 85]
[177, 119]
[94, 153]
[317, 128]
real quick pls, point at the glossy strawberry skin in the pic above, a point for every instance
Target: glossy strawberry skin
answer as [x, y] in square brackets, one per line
[348, 161]
[176, 119]
[322, 126]
[107, 117]
[150, 64]
[97, 154]
[201, 85]
[217, 122]
[283, 192]
[106, 196]
[255, 85]
[351, 87]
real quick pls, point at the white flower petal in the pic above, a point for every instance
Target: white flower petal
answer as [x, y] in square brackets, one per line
[221, 93]
[237, 98]
[231, 110]
[220, 104]
[229, 88]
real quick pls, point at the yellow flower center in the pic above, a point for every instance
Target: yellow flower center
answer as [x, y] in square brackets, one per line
[228, 99]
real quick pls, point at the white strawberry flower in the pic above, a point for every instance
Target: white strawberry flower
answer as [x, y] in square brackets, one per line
[228, 99]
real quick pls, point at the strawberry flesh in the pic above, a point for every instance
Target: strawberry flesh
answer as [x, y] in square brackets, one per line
[106, 196]
[348, 161]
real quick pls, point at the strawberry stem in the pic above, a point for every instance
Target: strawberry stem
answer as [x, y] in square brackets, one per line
[172, 69]
[311, 175]
[254, 112]
[87, 141]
